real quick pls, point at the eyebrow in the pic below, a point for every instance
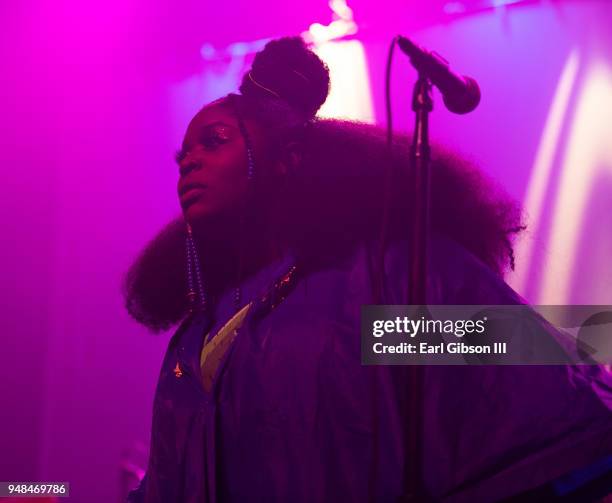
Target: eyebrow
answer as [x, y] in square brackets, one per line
[180, 152]
[218, 123]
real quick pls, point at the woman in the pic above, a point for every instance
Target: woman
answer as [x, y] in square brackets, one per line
[261, 395]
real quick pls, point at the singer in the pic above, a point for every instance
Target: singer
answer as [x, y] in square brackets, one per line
[261, 395]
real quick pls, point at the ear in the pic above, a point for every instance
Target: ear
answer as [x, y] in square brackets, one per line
[289, 159]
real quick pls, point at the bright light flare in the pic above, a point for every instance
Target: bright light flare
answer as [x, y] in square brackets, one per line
[350, 95]
[341, 26]
[588, 152]
[542, 168]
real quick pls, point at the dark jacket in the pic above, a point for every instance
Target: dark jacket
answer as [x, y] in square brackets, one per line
[294, 416]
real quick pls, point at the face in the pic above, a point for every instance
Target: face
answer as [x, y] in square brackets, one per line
[213, 163]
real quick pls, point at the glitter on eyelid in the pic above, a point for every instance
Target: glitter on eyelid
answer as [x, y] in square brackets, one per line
[222, 132]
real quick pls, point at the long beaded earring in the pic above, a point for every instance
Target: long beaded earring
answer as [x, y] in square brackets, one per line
[249, 151]
[195, 285]
[250, 177]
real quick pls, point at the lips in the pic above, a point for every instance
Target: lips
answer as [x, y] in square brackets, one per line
[190, 187]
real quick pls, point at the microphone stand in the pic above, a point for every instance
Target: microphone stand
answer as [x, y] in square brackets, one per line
[461, 95]
[422, 105]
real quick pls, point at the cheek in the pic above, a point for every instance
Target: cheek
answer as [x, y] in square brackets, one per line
[227, 184]
[231, 191]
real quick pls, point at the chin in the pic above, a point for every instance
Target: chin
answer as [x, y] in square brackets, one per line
[197, 212]
[201, 213]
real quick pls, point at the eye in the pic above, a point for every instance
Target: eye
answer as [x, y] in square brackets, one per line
[213, 140]
[210, 140]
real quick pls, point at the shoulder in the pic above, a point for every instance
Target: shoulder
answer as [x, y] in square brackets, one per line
[455, 275]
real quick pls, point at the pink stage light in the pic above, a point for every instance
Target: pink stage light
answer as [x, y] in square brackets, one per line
[587, 162]
[542, 170]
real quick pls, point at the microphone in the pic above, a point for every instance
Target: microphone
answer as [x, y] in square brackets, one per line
[460, 94]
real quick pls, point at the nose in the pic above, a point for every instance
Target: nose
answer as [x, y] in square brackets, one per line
[188, 164]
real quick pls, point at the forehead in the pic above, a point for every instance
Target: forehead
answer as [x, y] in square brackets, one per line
[216, 112]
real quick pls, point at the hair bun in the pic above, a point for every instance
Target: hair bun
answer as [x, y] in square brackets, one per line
[288, 69]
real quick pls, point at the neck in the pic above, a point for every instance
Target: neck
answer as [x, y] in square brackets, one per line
[230, 252]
